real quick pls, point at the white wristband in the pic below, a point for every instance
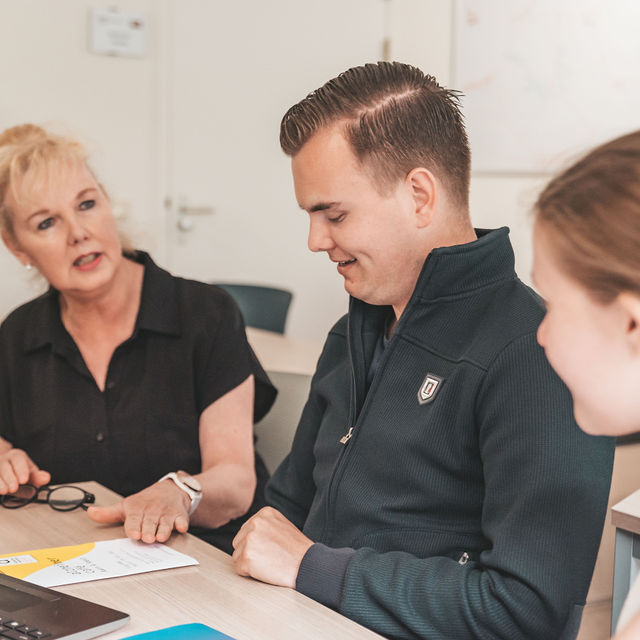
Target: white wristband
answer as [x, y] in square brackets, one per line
[189, 485]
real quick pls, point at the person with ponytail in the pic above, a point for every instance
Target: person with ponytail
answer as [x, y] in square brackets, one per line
[587, 269]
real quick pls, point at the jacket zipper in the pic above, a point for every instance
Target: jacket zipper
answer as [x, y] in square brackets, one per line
[344, 441]
[347, 436]
[339, 467]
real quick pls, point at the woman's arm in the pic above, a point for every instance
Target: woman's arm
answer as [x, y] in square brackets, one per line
[228, 475]
[227, 478]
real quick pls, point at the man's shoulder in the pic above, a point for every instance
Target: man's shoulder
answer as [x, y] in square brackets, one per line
[479, 326]
[334, 352]
[340, 328]
[511, 312]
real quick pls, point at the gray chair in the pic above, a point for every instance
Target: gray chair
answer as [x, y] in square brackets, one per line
[261, 307]
[276, 430]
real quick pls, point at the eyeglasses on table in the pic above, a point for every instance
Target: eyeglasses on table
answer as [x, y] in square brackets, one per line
[60, 498]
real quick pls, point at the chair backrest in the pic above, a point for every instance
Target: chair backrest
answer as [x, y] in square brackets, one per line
[276, 430]
[261, 307]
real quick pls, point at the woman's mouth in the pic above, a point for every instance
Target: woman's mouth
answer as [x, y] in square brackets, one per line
[344, 263]
[87, 261]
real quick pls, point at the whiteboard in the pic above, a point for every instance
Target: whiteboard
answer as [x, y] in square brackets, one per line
[545, 79]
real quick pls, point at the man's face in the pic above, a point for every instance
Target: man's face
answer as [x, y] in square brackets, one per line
[371, 237]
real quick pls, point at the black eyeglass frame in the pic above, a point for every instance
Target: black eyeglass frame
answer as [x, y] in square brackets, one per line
[87, 499]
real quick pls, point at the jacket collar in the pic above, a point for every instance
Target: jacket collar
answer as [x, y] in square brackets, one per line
[447, 272]
[464, 268]
[158, 310]
[451, 271]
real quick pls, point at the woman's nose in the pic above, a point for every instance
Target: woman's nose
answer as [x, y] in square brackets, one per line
[77, 230]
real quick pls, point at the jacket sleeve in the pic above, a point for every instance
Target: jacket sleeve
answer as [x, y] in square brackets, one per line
[292, 488]
[546, 490]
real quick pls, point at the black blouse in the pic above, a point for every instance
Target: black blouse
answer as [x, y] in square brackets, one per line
[188, 349]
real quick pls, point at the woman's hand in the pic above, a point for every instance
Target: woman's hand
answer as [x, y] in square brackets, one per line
[228, 477]
[17, 468]
[149, 515]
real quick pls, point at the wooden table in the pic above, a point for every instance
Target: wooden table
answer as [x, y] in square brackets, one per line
[284, 354]
[211, 593]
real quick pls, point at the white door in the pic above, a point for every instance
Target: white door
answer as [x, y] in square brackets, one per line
[234, 69]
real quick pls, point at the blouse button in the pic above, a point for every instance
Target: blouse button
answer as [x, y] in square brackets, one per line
[99, 436]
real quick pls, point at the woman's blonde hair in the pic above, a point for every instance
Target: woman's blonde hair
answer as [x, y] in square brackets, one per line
[590, 217]
[29, 150]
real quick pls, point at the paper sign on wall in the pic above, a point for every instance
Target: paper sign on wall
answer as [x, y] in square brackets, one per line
[113, 33]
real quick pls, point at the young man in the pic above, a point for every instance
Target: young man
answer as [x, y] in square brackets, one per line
[437, 486]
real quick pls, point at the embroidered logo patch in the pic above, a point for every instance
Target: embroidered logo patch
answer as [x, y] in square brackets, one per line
[429, 388]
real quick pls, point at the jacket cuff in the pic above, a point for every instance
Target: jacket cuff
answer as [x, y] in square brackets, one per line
[322, 572]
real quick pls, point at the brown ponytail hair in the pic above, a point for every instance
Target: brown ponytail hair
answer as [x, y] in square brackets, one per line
[590, 217]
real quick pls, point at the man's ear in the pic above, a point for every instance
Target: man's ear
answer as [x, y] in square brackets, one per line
[423, 189]
[630, 305]
[14, 247]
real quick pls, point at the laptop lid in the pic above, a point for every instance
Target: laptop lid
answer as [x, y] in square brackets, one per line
[27, 608]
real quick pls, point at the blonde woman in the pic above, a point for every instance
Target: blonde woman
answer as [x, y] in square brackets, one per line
[587, 268]
[120, 372]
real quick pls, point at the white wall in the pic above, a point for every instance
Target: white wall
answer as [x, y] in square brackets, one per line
[48, 76]
[422, 34]
[224, 150]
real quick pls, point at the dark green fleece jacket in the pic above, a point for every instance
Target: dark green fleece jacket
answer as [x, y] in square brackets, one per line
[466, 503]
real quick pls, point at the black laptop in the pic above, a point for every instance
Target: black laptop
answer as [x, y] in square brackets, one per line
[29, 612]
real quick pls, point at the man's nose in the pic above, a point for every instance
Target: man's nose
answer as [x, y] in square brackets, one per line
[320, 238]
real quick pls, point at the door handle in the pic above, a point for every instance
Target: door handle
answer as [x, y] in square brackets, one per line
[185, 213]
[185, 210]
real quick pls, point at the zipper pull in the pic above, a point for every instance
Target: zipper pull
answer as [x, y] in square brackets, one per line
[464, 558]
[345, 438]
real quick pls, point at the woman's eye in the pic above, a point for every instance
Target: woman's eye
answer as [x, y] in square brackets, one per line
[87, 204]
[338, 218]
[45, 224]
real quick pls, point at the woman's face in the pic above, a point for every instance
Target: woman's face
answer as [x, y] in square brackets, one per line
[591, 347]
[66, 230]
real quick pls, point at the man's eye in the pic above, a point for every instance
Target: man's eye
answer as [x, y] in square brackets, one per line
[338, 218]
[45, 224]
[87, 204]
